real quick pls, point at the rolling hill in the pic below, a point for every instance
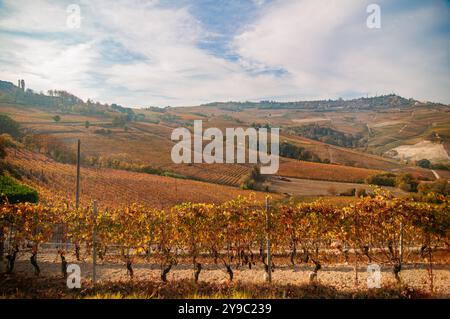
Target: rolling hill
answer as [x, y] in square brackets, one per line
[347, 140]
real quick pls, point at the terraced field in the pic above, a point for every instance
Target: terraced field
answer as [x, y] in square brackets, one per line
[307, 187]
[31, 115]
[113, 188]
[325, 172]
[344, 156]
[226, 174]
[149, 143]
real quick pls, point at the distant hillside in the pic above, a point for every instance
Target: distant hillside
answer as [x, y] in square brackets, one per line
[59, 100]
[370, 103]
[67, 102]
[10, 93]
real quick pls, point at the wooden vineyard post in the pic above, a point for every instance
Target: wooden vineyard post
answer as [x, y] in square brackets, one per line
[77, 197]
[401, 244]
[356, 225]
[356, 267]
[94, 246]
[269, 257]
[2, 248]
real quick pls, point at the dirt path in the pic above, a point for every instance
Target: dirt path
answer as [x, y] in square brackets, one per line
[435, 174]
[339, 275]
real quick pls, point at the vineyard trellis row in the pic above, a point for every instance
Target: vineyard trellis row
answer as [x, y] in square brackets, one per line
[234, 230]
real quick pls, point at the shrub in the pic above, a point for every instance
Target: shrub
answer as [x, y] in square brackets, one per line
[102, 131]
[441, 166]
[248, 183]
[440, 187]
[51, 147]
[296, 152]
[9, 126]
[406, 182]
[2, 147]
[404, 187]
[361, 192]
[119, 121]
[424, 163]
[251, 180]
[16, 192]
[173, 175]
[255, 174]
[151, 170]
[384, 179]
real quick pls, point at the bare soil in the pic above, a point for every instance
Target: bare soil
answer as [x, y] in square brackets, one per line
[337, 275]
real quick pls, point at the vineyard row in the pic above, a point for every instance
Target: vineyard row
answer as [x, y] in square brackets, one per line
[381, 228]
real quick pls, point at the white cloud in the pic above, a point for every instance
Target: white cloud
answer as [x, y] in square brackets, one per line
[33, 16]
[324, 48]
[328, 49]
[173, 70]
[49, 64]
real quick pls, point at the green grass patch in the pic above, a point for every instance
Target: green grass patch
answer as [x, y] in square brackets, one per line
[15, 192]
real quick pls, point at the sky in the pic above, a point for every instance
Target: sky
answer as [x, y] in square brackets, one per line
[187, 52]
